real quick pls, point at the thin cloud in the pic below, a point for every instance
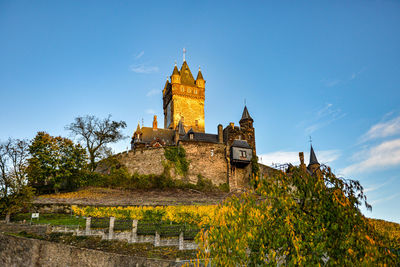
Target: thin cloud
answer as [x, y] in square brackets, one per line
[355, 74]
[384, 155]
[323, 117]
[282, 157]
[153, 92]
[383, 129]
[331, 83]
[139, 55]
[376, 187]
[384, 199]
[141, 68]
[150, 111]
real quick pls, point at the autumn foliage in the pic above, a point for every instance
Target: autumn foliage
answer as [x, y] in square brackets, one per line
[295, 218]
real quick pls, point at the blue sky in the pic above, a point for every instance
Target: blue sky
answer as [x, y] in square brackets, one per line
[329, 69]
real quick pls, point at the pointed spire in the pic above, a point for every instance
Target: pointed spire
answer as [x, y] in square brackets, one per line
[313, 158]
[175, 71]
[246, 115]
[186, 75]
[199, 75]
[138, 128]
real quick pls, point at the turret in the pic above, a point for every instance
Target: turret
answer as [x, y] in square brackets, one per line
[246, 121]
[200, 82]
[314, 165]
[176, 76]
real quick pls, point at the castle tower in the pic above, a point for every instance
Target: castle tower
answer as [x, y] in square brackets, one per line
[246, 127]
[314, 164]
[183, 100]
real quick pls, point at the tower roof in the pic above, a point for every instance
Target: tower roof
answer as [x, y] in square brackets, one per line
[199, 75]
[186, 75]
[313, 158]
[246, 115]
[175, 71]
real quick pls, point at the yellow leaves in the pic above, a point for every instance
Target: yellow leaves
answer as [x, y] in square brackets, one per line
[190, 214]
[370, 240]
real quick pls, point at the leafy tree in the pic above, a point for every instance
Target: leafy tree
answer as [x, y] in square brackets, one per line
[55, 163]
[95, 134]
[14, 191]
[295, 218]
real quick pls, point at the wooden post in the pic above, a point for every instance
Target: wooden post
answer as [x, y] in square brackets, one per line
[88, 222]
[181, 241]
[134, 231]
[157, 239]
[111, 229]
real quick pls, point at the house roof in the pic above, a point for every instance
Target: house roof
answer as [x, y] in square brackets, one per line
[200, 137]
[240, 143]
[165, 135]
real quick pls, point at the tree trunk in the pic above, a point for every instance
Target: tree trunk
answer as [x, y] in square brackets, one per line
[8, 215]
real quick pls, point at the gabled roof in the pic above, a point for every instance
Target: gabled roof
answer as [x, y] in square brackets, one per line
[186, 75]
[313, 158]
[241, 143]
[246, 115]
[200, 137]
[165, 135]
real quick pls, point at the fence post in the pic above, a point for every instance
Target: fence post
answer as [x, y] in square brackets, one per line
[134, 231]
[88, 222]
[157, 239]
[111, 229]
[181, 241]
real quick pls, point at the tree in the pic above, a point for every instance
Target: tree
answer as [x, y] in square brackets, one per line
[295, 218]
[14, 191]
[55, 163]
[95, 134]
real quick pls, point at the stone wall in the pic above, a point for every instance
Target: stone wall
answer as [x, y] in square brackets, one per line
[207, 160]
[19, 251]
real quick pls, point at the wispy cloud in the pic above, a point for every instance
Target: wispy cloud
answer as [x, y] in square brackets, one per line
[355, 74]
[145, 69]
[139, 55]
[377, 186]
[282, 157]
[150, 111]
[323, 117]
[331, 83]
[384, 155]
[153, 92]
[383, 129]
[384, 199]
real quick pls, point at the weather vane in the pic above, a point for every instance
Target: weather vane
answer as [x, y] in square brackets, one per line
[310, 140]
[184, 54]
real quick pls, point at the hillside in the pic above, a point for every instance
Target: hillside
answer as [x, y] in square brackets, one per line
[118, 197]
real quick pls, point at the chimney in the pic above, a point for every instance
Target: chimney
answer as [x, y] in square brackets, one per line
[301, 156]
[220, 136]
[232, 125]
[155, 123]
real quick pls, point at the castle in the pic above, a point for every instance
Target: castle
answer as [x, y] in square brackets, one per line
[224, 157]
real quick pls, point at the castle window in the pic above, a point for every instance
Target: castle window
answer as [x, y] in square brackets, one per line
[189, 90]
[196, 122]
[191, 136]
[243, 153]
[183, 89]
[195, 91]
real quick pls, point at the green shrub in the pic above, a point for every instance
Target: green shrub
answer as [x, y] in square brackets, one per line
[177, 156]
